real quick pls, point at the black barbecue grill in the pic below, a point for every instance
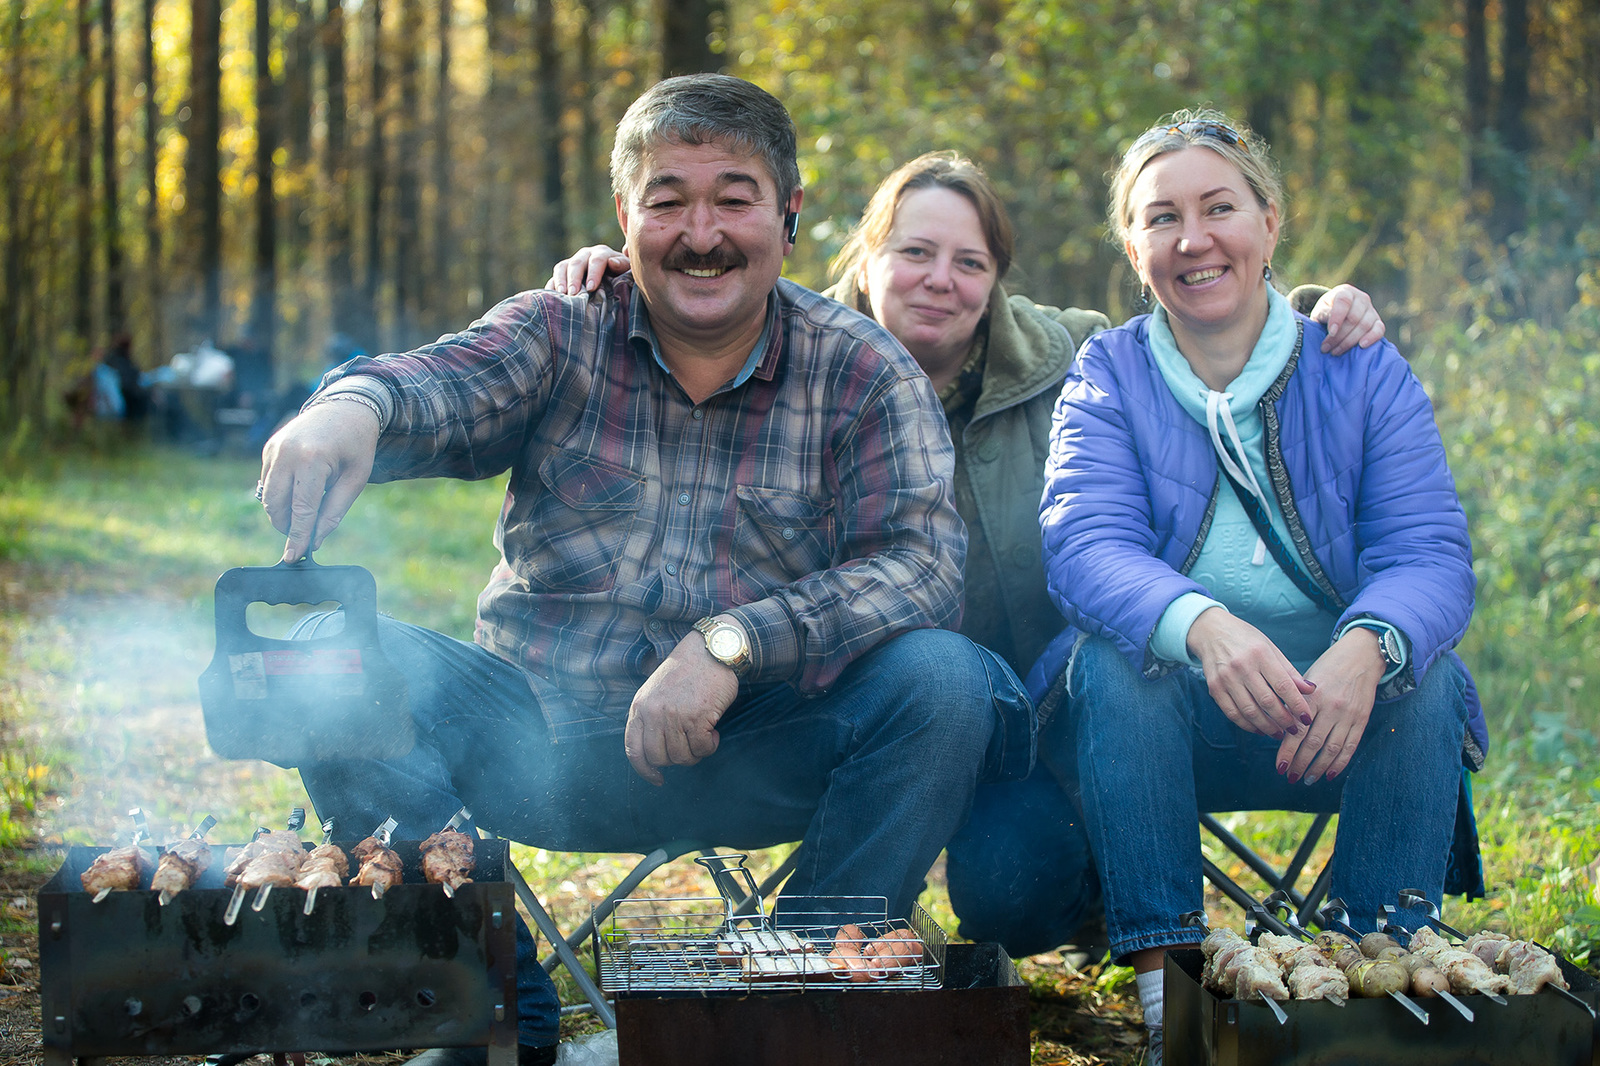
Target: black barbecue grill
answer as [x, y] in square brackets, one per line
[414, 969]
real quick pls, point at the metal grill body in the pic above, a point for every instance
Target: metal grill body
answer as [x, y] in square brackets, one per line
[127, 976]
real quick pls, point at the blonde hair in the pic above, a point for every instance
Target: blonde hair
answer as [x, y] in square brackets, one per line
[1200, 128]
[935, 170]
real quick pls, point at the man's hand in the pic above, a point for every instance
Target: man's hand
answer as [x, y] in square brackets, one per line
[313, 469]
[1351, 319]
[1346, 677]
[673, 720]
[587, 268]
[1254, 685]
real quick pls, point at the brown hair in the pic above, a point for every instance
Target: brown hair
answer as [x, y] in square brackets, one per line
[942, 170]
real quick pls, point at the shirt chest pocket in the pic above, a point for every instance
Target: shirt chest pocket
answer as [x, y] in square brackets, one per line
[578, 529]
[778, 538]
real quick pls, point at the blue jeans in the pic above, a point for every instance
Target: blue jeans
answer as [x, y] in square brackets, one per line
[872, 778]
[1149, 756]
[1020, 871]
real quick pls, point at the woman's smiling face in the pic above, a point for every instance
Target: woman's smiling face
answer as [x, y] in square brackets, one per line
[929, 283]
[1200, 239]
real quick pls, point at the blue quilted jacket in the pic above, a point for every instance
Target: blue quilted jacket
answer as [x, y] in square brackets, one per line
[1356, 464]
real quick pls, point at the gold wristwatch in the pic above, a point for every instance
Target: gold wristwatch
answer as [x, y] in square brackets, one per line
[726, 642]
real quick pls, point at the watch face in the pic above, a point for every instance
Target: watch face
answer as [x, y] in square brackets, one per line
[726, 643]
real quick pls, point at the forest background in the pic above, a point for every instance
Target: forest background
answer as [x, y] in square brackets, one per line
[286, 169]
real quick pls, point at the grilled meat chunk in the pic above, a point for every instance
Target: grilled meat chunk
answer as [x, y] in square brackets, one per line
[325, 867]
[1307, 972]
[280, 841]
[1467, 972]
[380, 866]
[272, 868]
[1238, 968]
[181, 866]
[118, 870]
[447, 859]
[1528, 967]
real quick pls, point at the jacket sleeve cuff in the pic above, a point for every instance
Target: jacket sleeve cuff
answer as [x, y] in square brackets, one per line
[363, 389]
[1170, 641]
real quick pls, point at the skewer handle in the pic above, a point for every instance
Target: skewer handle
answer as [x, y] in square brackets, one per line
[141, 828]
[458, 819]
[207, 824]
[297, 818]
[381, 834]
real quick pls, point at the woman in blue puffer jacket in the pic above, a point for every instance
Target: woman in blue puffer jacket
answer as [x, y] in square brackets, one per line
[1264, 558]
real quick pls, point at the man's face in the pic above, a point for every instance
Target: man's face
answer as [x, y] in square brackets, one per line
[705, 234]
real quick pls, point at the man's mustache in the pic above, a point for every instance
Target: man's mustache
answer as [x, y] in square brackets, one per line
[718, 259]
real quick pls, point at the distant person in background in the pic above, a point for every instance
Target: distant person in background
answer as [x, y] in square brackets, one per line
[928, 260]
[285, 404]
[112, 390]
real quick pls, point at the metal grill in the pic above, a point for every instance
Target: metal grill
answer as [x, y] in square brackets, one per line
[688, 945]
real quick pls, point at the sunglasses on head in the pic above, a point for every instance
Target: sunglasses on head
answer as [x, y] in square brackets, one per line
[1203, 128]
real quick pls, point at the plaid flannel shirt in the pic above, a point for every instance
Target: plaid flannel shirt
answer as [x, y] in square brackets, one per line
[812, 502]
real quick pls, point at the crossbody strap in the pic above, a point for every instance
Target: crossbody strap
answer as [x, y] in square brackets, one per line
[1279, 551]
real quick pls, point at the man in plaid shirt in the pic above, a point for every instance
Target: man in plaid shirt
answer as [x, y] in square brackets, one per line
[730, 559]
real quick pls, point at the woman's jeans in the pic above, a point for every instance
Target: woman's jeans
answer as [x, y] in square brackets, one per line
[1149, 756]
[872, 778]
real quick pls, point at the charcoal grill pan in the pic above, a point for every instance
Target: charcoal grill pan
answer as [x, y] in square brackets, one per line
[292, 702]
[414, 969]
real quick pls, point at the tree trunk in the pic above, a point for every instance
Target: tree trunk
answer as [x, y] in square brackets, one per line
[443, 306]
[116, 309]
[407, 256]
[1510, 121]
[203, 168]
[264, 286]
[336, 175]
[686, 32]
[375, 181]
[153, 268]
[593, 217]
[15, 353]
[83, 232]
[552, 239]
[492, 216]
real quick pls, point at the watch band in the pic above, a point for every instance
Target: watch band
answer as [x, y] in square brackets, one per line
[1389, 646]
[727, 643]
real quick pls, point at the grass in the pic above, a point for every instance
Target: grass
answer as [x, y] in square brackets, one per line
[107, 563]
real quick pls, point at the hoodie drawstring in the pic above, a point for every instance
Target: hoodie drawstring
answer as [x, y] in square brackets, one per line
[1217, 411]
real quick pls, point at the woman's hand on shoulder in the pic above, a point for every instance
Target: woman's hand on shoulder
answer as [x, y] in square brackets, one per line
[1346, 676]
[1351, 319]
[1251, 680]
[586, 268]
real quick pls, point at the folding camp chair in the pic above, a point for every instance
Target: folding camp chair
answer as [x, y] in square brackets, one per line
[566, 946]
[1305, 903]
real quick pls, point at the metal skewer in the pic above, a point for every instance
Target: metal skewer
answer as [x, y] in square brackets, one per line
[261, 897]
[1333, 913]
[311, 893]
[381, 835]
[1280, 902]
[206, 825]
[141, 829]
[1409, 898]
[235, 901]
[457, 820]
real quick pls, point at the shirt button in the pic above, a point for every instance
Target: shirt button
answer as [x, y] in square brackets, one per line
[683, 499]
[698, 414]
[672, 568]
[654, 626]
[787, 534]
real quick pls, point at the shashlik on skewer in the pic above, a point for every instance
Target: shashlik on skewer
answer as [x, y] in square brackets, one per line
[448, 860]
[1239, 968]
[326, 866]
[180, 867]
[182, 863]
[1307, 972]
[262, 863]
[118, 870]
[264, 844]
[1466, 971]
[380, 866]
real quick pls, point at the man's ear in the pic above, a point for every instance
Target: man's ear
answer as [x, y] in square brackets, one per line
[622, 215]
[791, 219]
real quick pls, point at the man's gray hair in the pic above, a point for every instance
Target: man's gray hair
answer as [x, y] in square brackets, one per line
[701, 109]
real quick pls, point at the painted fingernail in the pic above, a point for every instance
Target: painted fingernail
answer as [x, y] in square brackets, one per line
[1312, 685]
[1311, 780]
[1332, 774]
[1282, 766]
[1306, 718]
[1294, 730]
[1294, 779]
